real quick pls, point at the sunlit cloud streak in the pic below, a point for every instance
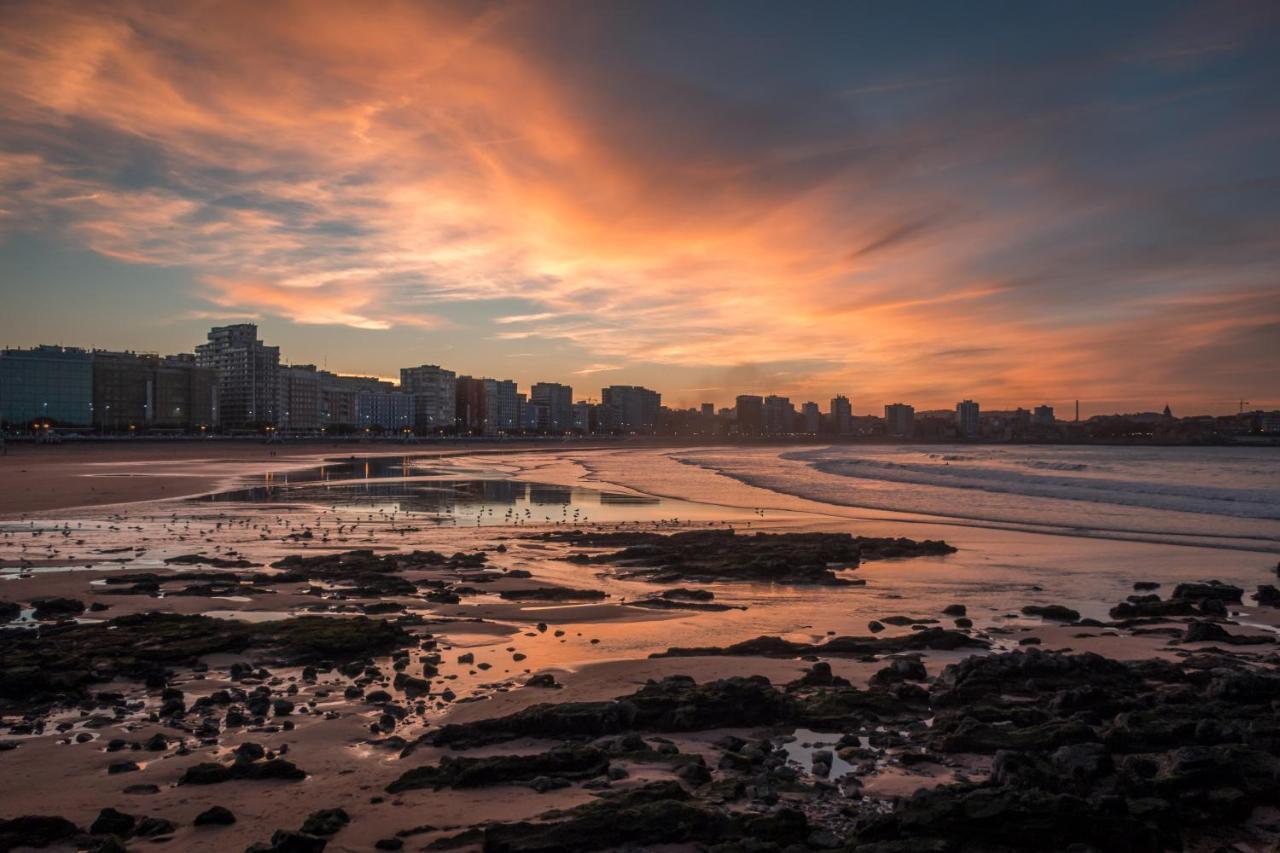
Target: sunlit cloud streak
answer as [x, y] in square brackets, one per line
[1018, 225]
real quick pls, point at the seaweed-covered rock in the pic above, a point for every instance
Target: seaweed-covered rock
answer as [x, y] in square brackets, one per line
[1214, 589]
[212, 773]
[215, 816]
[723, 555]
[574, 762]
[655, 814]
[35, 831]
[1053, 612]
[676, 703]
[56, 608]
[58, 662]
[325, 822]
[940, 639]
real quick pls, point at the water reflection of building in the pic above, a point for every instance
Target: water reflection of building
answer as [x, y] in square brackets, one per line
[540, 493]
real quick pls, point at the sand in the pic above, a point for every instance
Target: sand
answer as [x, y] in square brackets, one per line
[75, 514]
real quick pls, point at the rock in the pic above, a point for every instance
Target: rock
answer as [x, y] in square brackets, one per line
[215, 816]
[283, 841]
[35, 831]
[899, 670]
[153, 827]
[122, 767]
[724, 555]
[1213, 589]
[388, 844]
[210, 773]
[1267, 595]
[578, 762]
[940, 639]
[9, 611]
[56, 608]
[413, 687]
[676, 703]
[1054, 612]
[44, 667]
[325, 822]
[542, 784]
[875, 627]
[1081, 762]
[820, 675]
[1143, 586]
[552, 593]
[660, 813]
[112, 822]
[955, 610]
[543, 679]
[1211, 632]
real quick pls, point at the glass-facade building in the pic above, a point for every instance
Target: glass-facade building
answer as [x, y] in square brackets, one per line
[46, 384]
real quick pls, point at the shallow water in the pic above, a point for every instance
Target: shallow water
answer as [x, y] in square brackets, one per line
[1222, 494]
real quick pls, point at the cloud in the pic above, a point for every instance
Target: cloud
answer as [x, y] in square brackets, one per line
[959, 210]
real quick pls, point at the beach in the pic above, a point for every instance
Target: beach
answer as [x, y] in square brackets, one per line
[537, 576]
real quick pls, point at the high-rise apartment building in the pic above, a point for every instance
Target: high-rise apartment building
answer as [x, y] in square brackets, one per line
[899, 420]
[968, 421]
[841, 415]
[301, 406]
[1043, 416]
[812, 417]
[248, 373]
[502, 406]
[553, 403]
[749, 413]
[779, 415]
[471, 412]
[630, 408]
[435, 397]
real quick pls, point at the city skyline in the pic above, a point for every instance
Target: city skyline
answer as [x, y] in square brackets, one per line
[1007, 203]
[423, 379]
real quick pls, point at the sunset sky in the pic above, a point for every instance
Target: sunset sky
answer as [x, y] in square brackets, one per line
[1015, 202]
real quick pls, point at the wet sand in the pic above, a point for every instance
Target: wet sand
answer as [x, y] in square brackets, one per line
[69, 545]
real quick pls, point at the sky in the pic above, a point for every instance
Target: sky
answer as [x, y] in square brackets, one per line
[926, 201]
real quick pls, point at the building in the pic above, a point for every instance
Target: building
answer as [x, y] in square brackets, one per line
[384, 411]
[811, 417]
[553, 405]
[1043, 416]
[471, 412]
[779, 415]
[248, 369]
[502, 406]
[528, 414]
[46, 385]
[134, 391]
[749, 413]
[968, 419]
[586, 417]
[301, 405]
[841, 415]
[899, 420]
[630, 409]
[340, 399]
[435, 398]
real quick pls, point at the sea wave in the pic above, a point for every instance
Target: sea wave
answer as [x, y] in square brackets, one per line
[1151, 489]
